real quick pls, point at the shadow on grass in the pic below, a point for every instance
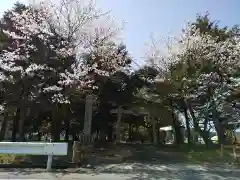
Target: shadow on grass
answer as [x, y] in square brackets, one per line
[172, 154]
[143, 162]
[124, 153]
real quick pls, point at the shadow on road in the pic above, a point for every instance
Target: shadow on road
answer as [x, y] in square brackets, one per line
[138, 171]
[174, 171]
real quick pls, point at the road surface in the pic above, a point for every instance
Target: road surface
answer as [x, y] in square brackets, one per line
[135, 171]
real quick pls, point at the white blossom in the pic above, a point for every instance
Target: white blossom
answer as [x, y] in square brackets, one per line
[2, 108]
[12, 35]
[2, 77]
[37, 22]
[60, 98]
[204, 48]
[36, 67]
[32, 23]
[213, 67]
[52, 89]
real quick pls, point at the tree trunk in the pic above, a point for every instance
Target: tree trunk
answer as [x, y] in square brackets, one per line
[178, 136]
[15, 125]
[159, 136]
[187, 123]
[118, 124]
[110, 133]
[220, 131]
[21, 125]
[67, 125]
[39, 136]
[203, 134]
[130, 132]
[20, 132]
[75, 137]
[205, 124]
[154, 130]
[66, 111]
[177, 133]
[3, 126]
[218, 126]
[55, 126]
[56, 133]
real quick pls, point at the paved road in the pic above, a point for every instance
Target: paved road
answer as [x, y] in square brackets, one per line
[134, 171]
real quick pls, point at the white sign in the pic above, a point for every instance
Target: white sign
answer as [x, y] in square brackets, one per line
[35, 148]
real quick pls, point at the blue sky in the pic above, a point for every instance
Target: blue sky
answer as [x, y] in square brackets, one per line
[161, 17]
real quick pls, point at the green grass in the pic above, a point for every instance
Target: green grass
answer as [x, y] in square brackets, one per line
[201, 154]
[208, 156]
[11, 158]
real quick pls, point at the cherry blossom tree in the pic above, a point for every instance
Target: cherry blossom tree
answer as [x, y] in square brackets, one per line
[45, 64]
[32, 33]
[213, 65]
[34, 61]
[80, 22]
[32, 27]
[92, 32]
[203, 71]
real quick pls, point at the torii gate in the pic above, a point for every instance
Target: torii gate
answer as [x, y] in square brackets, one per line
[120, 112]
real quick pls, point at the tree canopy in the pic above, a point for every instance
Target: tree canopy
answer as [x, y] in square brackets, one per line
[52, 58]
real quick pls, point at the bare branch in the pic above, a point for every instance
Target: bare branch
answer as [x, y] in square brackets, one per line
[81, 22]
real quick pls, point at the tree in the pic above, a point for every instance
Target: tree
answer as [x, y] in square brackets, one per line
[200, 50]
[48, 68]
[41, 66]
[202, 70]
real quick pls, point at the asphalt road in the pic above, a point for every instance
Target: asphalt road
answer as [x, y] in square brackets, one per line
[134, 171]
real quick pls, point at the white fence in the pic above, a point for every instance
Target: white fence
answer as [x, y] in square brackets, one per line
[35, 148]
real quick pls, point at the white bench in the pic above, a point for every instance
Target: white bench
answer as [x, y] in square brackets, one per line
[35, 148]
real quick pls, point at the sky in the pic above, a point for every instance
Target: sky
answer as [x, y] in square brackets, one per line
[159, 17]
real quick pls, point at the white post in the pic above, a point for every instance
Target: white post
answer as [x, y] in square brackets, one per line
[49, 161]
